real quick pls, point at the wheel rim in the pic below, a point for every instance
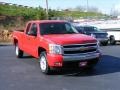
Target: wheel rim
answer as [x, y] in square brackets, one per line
[16, 50]
[43, 63]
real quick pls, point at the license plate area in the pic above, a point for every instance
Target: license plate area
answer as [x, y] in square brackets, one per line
[83, 64]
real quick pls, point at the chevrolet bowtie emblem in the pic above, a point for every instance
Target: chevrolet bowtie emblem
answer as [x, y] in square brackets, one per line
[84, 48]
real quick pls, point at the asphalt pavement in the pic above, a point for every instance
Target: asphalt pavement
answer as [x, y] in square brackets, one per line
[24, 74]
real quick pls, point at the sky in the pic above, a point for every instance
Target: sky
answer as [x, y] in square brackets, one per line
[104, 6]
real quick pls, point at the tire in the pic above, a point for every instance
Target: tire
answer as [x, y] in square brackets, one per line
[44, 67]
[18, 52]
[112, 40]
[105, 43]
[92, 64]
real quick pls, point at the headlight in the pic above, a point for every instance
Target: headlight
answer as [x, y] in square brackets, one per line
[93, 35]
[55, 49]
[98, 44]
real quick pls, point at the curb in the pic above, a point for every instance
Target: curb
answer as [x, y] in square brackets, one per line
[6, 44]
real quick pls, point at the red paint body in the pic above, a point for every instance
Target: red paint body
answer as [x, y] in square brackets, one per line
[31, 44]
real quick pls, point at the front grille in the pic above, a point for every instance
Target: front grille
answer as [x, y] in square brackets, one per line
[79, 48]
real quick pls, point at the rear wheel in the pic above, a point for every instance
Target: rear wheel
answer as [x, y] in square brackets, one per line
[112, 40]
[18, 52]
[44, 67]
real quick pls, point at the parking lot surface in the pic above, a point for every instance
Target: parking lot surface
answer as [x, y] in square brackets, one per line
[24, 74]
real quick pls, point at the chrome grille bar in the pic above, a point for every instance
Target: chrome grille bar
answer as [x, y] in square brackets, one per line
[79, 48]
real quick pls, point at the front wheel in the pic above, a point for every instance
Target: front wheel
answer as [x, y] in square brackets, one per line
[44, 67]
[105, 43]
[18, 52]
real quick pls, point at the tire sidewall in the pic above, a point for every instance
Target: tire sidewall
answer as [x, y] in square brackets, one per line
[112, 40]
[47, 69]
[17, 50]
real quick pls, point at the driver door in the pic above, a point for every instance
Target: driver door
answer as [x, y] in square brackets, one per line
[33, 39]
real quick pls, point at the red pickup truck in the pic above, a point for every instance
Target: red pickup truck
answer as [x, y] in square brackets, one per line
[56, 44]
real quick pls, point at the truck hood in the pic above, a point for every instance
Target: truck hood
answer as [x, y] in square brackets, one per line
[70, 39]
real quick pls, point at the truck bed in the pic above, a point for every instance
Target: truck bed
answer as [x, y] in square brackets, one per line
[18, 33]
[20, 30]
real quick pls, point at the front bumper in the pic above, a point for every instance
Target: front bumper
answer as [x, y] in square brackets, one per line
[58, 60]
[81, 57]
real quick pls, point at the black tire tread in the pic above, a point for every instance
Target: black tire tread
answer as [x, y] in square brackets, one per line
[20, 54]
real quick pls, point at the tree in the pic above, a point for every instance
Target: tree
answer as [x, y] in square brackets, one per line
[93, 9]
[80, 8]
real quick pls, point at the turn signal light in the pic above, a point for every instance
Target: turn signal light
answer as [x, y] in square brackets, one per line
[58, 64]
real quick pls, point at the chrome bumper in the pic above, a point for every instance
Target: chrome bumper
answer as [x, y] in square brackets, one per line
[81, 57]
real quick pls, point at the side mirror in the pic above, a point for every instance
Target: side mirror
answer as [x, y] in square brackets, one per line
[32, 34]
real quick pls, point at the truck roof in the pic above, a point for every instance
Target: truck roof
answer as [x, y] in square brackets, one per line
[46, 21]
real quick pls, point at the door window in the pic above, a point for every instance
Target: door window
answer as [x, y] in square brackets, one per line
[33, 30]
[28, 27]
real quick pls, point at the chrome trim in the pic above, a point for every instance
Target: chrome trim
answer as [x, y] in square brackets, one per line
[81, 57]
[82, 48]
[79, 48]
[80, 44]
[81, 53]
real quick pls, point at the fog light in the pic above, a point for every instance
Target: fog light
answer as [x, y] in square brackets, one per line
[58, 64]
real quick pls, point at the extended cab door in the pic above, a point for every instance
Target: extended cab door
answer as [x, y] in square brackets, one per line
[24, 42]
[32, 39]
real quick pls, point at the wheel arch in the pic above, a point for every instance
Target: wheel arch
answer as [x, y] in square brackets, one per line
[111, 36]
[15, 41]
[41, 49]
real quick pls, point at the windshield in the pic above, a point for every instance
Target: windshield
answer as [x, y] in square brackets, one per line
[80, 29]
[57, 28]
[87, 30]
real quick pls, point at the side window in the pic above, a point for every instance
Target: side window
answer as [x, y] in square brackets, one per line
[33, 30]
[28, 27]
[68, 28]
[81, 30]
